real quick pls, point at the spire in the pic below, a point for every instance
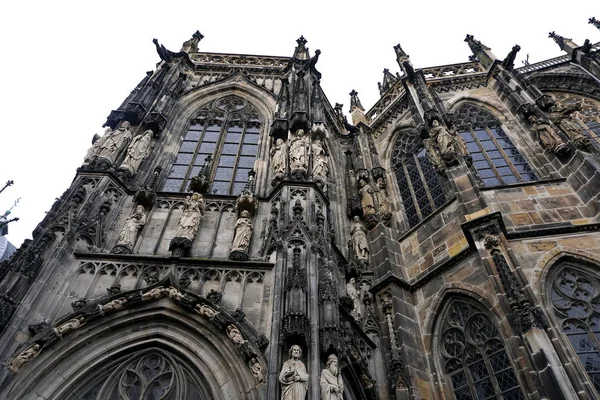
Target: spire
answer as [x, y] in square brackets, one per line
[317, 114]
[356, 109]
[560, 40]
[301, 51]
[594, 22]
[475, 45]
[388, 81]
[355, 101]
[191, 45]
[403, 60]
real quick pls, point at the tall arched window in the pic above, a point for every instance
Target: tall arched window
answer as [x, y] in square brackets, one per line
[228, 129]
[589, 116]
[495, 157]
[575, 296]
[420, 186]
[473, 354]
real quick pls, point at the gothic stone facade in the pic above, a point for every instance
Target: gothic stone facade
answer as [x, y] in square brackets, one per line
[443, 245]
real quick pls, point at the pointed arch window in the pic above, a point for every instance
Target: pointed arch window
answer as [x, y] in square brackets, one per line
[495, 157]
[420, 186]
[473, 355]
[229, 130]
[575, 297]
[589, 116]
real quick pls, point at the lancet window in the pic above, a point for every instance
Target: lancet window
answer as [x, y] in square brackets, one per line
[575, 297]
[588, 117]
[229, 130]
[473, 356]
[495, 157]
[420, 186]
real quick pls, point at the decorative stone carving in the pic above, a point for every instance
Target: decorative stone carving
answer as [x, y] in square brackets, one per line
[174, 294]
[113, 290]
[547, 136]
[70, 325]
[205, 310]
[444, 145]
[24, 357]
[383, 200]
[563, 118]
[128, 235]
[113, 143]
[153, 294]
[278, 161]
[79, 304]
[140, 148]
[298, 152]
[257, 370]
[332, 385]
[192, 213]
[366, 197]
[112, 306]
[241, 238]
[293, 376]
[93, 151]
[359, 241]
[355, 297]
[35, 329]
[320, 168]
[235, 335]
[214, 297]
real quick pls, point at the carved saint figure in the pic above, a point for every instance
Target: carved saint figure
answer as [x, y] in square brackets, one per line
[235, 335]
[355, 297]
[114, 305]
[174, 294]
[443, 140]
[243, 232]
[257, 370]
[279, 159]
[97, 141]
[70, 325]
[332, 386]
[320, 167]
[133, 224]
[293, 376]
[298, 150]
[140, 148]
[205, 310]
[366, 197]
[24, 357]
[112, 144]
[152, 294]
[382, 198]
[190, 219]
[547, 136]
[359, 239]
[563, 118]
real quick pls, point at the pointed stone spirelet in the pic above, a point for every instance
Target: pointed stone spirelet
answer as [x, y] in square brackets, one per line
[475, 45]
[201, 182]
[355, 101]
[388, 81]
[301, 51]
[191, 45]
[560, 40]
[594, 22]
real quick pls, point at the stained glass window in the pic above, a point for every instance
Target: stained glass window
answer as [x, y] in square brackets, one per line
[229, 130]
[495, 157]
[575, 299]
[589, 116]
[420, 186]
[473, 355]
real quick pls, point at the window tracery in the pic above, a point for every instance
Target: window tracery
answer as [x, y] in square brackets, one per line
[589, 116]
[420, 187]
[473, 355]
[575, 297]
[495, 157]
[229, 130]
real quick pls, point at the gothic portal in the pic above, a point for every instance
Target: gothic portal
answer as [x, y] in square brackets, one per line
[232, 235]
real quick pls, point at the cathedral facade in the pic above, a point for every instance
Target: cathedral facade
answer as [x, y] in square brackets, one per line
[232, 235]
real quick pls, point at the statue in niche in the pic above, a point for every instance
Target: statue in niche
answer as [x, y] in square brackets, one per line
[320, 167]
[153, 294]
[193, 210]
[433, 156]
[174, 294]
[563, 118]
[114, 305]
[243, 232]
[133, 224]
[293, 376]
[235, 335]
[443, 139]
[93, 151]
[332, 385]
[382, 198]
[366, 197]
[298, 150]
[113, 143]
[24, 357]
[70, 325]
[355, 297]
[140, 148]
[359, 239]
[279, 160]
[205, 310]
[257, 370]
[547, 136]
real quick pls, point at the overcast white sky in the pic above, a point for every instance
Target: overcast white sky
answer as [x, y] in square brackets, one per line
[66, 64]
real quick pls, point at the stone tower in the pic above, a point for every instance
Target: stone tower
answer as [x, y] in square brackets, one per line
[233, 236]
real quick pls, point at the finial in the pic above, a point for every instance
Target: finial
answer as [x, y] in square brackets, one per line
[560, 40]
[388, 81]
[301, 51]
[475, 45]
[594, 22]
[355, 101]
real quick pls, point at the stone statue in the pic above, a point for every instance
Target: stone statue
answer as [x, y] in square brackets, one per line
[355, 297]
[243, 232]
[235, 335]
[97, 141]
[359, 239]
[293, 376]
[366, 197]
[140, 148]
[113, 143]
[279, 160]
[133, 224]
[257, 370]
[114, 305]
[70, 325]
[432, 155]
[382, 197]
[24, 357]
[153, 294]
[190, 219]
[298, 150]
[563, 118]
[547, 136]
[332, 386]
[174, 294]
[320, 167]
[205, 310]
[443, 140]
